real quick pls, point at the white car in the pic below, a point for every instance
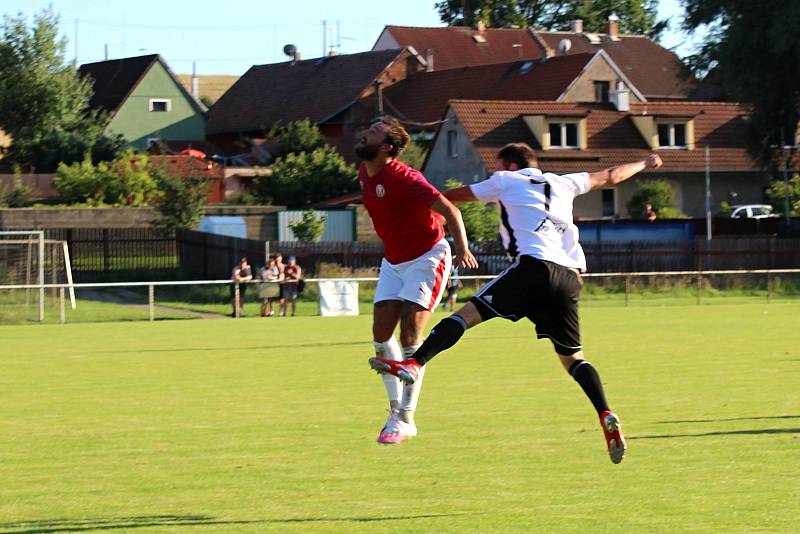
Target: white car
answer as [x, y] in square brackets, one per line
[752, 211]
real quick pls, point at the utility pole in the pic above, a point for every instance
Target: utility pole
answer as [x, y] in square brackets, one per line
[786, 211]
[708, 193]
[324, 38]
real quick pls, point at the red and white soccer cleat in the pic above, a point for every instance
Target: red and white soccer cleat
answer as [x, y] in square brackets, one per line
[615, 439]
[407, 370]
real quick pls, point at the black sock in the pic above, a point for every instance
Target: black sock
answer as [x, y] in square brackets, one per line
[443, 336]
[586, 375]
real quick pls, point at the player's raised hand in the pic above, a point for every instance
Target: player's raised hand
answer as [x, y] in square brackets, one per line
[653, 161]
[465, 260]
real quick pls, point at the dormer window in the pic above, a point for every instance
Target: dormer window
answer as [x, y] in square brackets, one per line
[452, 144]
[563, 135]
[672, 135]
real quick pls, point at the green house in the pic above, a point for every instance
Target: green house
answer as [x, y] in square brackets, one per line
[145, 101]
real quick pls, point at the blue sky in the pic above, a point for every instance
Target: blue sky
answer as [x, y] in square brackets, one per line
[229, 39]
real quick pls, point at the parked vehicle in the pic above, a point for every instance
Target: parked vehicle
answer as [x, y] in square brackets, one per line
[752, 211]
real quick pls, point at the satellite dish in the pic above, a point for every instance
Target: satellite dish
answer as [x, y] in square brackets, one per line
[290, 50]
[564, 45]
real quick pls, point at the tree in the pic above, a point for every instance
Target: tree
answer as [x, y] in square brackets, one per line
[635, 16]
[776, 194]
[310, 228]
[295, 137]
[657, 193]
[299, 179]
[182, 199]
[754, 48]
[482, 222]
[43, 101]
[413, 155]
[125, 181]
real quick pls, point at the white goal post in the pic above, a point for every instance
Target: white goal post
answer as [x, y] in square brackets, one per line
[29, 264]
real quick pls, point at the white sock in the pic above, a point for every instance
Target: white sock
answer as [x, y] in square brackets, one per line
[411, 392]
[390, 349]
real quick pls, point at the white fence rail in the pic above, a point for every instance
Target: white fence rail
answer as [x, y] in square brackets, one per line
[628, 276]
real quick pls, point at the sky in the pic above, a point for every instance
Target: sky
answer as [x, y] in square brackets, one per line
[229, 40]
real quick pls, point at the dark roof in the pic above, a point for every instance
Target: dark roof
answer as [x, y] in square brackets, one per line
[612, 136]
[424, 96]
[653, 69]
[315, 88]
[456, 46]
[113, 80]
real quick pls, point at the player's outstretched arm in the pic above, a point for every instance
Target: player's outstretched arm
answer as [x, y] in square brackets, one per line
[614, 175]
[463, 258]
[460, 194]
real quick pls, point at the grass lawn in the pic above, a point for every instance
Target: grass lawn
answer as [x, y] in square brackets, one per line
[269, 426]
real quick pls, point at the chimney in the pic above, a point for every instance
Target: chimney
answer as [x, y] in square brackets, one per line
[429, 60]
[621, 97]
[577, 25]
[613, 27]
[480, 26]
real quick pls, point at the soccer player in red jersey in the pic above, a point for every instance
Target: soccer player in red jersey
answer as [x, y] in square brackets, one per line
[407, 213]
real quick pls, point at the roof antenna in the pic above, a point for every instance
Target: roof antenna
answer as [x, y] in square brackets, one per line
[291, 51]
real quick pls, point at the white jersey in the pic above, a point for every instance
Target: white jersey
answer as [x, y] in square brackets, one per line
[536, 213]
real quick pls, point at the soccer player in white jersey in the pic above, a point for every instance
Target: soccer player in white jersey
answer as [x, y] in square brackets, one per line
[543, 283]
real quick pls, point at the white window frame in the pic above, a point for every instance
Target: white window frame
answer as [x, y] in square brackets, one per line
[452, 145]
[563, 128]
[167, 101]
[671, 139]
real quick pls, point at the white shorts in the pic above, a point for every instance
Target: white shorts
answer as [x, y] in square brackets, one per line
[421, 280]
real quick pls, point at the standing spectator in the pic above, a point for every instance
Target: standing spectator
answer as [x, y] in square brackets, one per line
[241, 275]
[291, 279]
[272, 275]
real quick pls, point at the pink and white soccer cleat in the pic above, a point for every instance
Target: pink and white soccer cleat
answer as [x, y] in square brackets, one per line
[396, 430]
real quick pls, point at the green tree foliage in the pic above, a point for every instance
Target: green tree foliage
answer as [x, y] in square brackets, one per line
[299, 179]
[754, 48]
[776, 194]
[310, 228]
[635, 16]
[181, 200]
[295, 137]
[43, 101]
[16, 195]
[482, 222]
[125, 181]
[413, 155]
[657, 193]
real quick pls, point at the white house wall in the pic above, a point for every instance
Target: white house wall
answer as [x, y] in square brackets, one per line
[467, 167]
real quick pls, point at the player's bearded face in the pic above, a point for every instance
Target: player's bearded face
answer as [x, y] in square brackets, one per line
[367, 151]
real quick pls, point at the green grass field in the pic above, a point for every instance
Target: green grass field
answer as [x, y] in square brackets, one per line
[269, 426]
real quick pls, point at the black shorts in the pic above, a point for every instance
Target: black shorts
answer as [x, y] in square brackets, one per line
[544, 292]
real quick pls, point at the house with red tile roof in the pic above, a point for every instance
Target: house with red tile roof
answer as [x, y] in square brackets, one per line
[574, 136]
[324, 90]
[654, 69]
[422, 99]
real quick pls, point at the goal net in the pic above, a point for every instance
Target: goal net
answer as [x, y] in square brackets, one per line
[30, 269]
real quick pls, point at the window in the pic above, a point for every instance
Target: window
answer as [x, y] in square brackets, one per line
[452, 148]
[563, 135]
[672, 135]
[161, 105]
[601, 91]
[608, 202]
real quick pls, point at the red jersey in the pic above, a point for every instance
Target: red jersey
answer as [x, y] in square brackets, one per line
[399, 200]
